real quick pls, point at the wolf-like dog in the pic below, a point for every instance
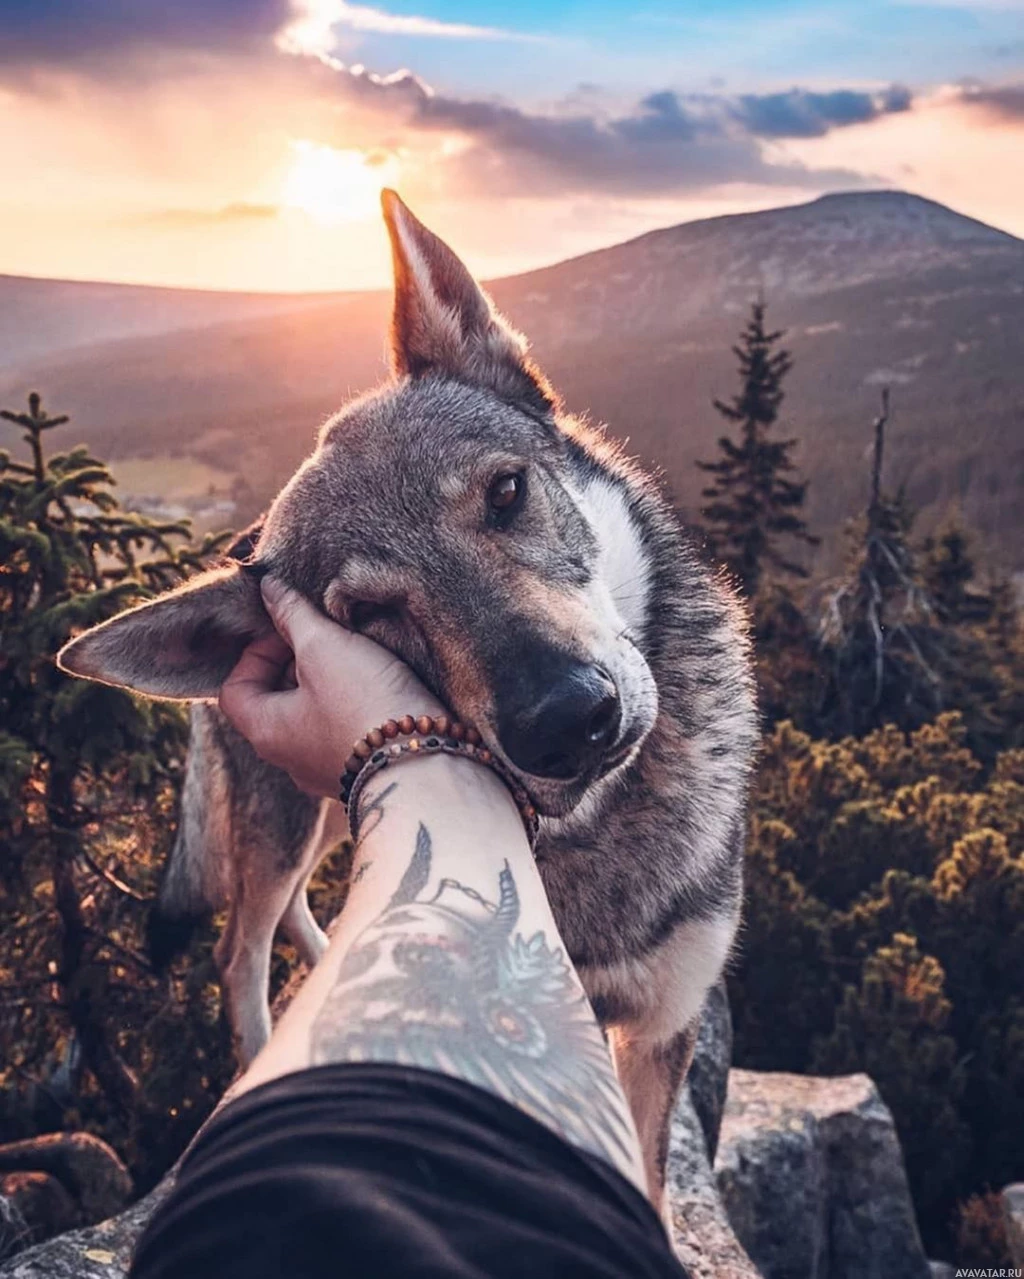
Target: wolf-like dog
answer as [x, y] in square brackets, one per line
[537, 581]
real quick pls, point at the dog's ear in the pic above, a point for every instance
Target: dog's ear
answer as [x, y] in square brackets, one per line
[443, 322]
[181, 646]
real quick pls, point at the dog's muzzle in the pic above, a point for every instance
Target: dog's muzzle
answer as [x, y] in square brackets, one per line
[568, 731]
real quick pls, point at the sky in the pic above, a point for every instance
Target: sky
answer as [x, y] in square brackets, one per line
[243, 144]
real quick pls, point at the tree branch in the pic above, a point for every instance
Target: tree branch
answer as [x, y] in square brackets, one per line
[112, 879]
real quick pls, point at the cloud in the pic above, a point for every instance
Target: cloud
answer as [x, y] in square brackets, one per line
[65, 33]
[311, 28]
[664, 143]
[1004, 101]
[111, 34]
[265, 67]
[799, 113]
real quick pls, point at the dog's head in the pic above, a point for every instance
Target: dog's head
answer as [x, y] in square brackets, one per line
[450, 516]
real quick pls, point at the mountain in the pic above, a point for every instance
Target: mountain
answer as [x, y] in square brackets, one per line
[39, 317]
[873, 289]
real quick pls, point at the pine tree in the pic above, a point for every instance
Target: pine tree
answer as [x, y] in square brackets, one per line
[85, 770]
[753, 503]
[950, 575]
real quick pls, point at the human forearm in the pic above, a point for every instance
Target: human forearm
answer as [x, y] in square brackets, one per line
[446, 957]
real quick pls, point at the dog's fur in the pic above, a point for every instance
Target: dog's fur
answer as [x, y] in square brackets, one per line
[641, 856]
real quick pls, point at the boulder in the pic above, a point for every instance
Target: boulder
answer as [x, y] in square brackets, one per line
[91, 1173]
[708, 1079]
[811, 1174]
[96, 1252]
[34, 1206]
[1013, 1214]
[704, 1239]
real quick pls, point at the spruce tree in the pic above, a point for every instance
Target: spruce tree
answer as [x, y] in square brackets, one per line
[950, 575]
[983, 674]
[753, 502]
[87, 773]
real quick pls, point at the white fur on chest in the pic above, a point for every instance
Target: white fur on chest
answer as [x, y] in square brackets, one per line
[668, 986]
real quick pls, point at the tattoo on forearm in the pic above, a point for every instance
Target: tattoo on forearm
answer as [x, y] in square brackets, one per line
[373, 813]
[442, 980]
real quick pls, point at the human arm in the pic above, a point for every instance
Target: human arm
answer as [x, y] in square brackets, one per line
[446, 955]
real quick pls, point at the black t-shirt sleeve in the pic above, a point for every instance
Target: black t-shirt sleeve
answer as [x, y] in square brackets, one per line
[379, 1170]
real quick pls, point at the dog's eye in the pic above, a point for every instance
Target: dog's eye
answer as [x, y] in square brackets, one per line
[363, 613]
[505, 496]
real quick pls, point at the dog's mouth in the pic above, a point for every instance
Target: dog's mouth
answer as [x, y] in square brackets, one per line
[556, 796]
[572, 732]
[620, 754]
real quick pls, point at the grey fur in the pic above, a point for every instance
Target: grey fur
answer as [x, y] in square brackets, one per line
[642, 864]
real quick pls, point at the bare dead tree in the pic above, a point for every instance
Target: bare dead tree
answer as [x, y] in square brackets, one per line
[879, 608]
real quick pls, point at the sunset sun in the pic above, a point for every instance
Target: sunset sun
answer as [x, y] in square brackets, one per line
[335, 185]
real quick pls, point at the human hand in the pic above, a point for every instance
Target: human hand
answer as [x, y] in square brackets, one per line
[344, 685]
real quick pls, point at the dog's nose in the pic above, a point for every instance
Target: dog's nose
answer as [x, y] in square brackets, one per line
[569, 728]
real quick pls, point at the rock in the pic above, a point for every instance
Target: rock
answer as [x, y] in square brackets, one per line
[96, 1252]
[1013, 1214]
[12, 1229]
[704, 1240]
[37, 1206]
[708, 1079]
[91, 1173]
[811, 1173]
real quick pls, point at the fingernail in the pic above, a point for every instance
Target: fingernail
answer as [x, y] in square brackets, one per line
[271, 588]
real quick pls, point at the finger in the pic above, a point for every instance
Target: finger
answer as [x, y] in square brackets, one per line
[294, 617]
[247, 693]
[262, 718]
[303, 625]
[262, 663]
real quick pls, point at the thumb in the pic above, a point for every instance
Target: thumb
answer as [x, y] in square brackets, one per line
[294, 617]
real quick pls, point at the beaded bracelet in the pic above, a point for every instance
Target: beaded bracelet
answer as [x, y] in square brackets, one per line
[427, 735]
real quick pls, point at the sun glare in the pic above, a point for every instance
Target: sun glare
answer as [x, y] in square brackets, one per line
[336, 186]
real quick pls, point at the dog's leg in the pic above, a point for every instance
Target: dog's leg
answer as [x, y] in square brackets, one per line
[270, 889]
[243, 955]
[297, 923]
[651, 1075]
[652, 1009]
[301, 929]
